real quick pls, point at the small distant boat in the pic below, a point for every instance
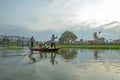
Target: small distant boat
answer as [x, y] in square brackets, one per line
[45, 49]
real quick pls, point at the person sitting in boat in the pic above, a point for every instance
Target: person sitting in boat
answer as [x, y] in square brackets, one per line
[45, 46]
[53, 41]
[39, 46]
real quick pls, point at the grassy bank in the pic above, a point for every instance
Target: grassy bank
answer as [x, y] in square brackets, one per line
[11, 48]
[15, 48]
[91, 46]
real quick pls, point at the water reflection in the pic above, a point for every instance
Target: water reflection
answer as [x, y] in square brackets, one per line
[31, 56]
[68, 64]
[45, 55]
[12, 53]
[68, 53]
[82, 64]
[96, 52]
[41, 55]
[52, 60]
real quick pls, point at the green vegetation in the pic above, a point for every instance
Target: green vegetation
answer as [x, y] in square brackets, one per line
[92, 46]
[67, 37]
[11, 45]
[14, 48]
[11, 48]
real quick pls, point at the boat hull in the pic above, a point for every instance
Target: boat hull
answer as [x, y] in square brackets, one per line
[45, 49]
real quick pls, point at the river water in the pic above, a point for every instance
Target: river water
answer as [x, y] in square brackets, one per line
[66, 64]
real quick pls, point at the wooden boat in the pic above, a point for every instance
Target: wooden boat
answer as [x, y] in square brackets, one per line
[45, 49]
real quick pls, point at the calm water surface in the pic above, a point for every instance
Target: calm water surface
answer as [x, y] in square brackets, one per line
[66, 64]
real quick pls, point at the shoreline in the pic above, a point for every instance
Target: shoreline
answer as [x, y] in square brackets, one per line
[91, 46]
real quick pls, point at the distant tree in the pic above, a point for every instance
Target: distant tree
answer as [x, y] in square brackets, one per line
[99, 34]
[81, 41]
[95, 35]
[67, 37]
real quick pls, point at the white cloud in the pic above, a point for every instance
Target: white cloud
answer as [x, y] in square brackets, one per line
[112, 25]
[62, 14]
[107, 10]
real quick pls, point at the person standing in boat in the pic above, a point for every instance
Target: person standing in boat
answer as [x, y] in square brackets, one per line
[32, 40]
[53, 41]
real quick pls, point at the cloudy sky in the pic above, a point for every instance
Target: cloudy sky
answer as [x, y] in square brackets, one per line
[57, 16]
